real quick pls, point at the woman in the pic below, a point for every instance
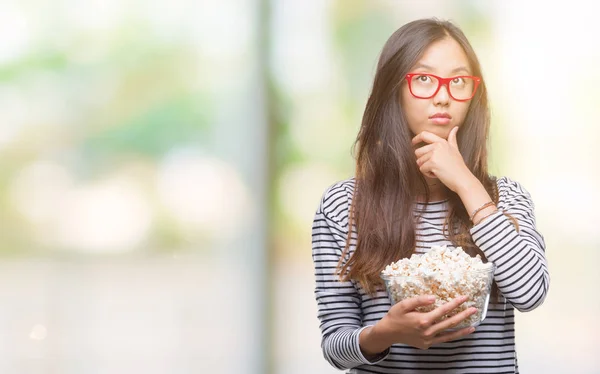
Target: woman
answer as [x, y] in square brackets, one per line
[422, 180]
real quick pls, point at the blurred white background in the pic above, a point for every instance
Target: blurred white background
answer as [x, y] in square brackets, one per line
[161, 162]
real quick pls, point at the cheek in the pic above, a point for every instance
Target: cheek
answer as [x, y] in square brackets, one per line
[415, 111]
[461, 112]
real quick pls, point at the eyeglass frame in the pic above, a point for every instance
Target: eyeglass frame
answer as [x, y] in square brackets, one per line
[443, 82]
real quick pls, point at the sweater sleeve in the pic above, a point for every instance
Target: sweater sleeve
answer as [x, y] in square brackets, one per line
[338, 302]
[519, 255]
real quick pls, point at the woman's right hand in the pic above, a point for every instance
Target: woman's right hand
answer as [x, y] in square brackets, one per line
[403, 324]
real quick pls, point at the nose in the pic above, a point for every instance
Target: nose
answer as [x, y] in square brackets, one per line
[442, 97]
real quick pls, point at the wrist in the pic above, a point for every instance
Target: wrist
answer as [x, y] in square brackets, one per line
[373, 340]
[467, 184]
[484, 214]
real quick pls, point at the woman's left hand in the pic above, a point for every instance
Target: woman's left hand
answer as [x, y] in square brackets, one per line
[441, 159]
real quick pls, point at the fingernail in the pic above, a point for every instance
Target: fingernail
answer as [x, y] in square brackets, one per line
[473, 310]
[471, 329]
[431, 298]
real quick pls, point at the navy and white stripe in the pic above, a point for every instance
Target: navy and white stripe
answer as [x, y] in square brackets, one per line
[344, 309]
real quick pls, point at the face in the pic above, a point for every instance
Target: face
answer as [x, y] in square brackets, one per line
[444, 58]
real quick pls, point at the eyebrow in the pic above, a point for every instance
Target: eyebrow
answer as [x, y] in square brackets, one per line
[454, 71]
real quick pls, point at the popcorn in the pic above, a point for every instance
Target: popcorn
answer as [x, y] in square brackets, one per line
[446, 273]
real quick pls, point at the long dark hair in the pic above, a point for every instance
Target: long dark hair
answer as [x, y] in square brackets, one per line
[387, 177]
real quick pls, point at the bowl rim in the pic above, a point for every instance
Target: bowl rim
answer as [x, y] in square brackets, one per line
[492, 269]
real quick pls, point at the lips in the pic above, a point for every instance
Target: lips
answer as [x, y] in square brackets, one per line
[441, 115]
[440, 119]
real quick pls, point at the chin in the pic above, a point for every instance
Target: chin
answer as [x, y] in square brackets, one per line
[442, 132]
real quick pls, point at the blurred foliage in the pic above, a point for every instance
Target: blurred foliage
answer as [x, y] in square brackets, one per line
[123, 97]
[152, 133]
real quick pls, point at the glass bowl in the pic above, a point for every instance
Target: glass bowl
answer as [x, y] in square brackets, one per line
[476, 284]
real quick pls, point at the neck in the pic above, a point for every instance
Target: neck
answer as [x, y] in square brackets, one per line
[437, 190]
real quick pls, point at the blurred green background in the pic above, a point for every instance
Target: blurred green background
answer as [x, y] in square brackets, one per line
[161, 162]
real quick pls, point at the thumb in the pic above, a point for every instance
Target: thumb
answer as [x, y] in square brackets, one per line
[408, 305]
[452, 137]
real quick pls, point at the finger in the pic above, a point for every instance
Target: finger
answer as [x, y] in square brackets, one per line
[452, 321]
[426, 137]
[445, 308]
[423, 159]
[425, 149]
[452, 137]
[408, 305]
[427, 168]
[449, 336]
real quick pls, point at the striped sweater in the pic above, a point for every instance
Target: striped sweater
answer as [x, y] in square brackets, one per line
[344, 309]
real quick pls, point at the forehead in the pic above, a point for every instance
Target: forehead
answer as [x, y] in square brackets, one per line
[444, 57]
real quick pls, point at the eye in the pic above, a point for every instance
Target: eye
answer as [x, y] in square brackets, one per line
[458, 81]
[423, 78]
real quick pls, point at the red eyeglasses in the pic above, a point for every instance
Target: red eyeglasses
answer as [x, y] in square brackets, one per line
[426, 86]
